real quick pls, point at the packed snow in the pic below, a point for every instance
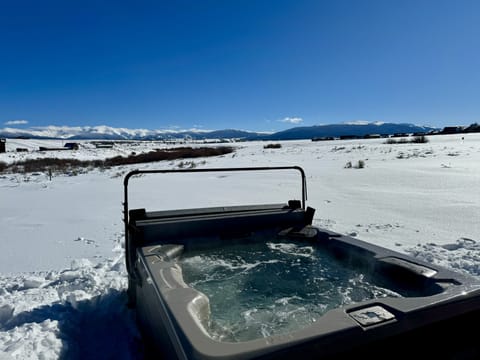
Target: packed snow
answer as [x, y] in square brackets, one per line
[62, 274]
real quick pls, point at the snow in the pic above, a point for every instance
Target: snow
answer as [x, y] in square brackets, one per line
[89, 132]
[62, 273]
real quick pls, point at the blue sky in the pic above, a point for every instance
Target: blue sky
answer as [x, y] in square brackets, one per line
[254, 65]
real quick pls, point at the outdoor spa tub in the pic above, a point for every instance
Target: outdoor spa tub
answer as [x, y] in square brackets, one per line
[260, 282]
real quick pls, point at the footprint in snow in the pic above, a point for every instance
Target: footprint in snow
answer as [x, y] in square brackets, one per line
[6, 313]
[86, 241]
[451, 247]
[463, 242]
[466, 240]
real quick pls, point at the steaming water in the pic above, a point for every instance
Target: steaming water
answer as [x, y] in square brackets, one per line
[262, 289]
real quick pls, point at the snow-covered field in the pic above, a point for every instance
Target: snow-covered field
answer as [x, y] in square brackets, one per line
[62, 274]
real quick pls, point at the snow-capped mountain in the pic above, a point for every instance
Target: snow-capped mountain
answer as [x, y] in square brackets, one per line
[305, 132]
[92, 132]
[110, 133]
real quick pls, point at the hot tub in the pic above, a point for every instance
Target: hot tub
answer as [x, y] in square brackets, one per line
[400, 306]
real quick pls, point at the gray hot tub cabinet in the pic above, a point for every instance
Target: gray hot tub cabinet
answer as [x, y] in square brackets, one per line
[434, 317]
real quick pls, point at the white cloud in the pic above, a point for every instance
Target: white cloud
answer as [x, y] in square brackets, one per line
[16, 122]
[292, 120]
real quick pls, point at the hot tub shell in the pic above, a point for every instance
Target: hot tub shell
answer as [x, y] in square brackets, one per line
[434, 320]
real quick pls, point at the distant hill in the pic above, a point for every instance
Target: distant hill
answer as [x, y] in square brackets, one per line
[227, 134]
[337, 130]
[296, 133]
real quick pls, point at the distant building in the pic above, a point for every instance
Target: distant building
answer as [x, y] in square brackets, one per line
[473, 128]
[72, 146]
[452, 130]
[104, 145]
[372, 136]
[323, 138]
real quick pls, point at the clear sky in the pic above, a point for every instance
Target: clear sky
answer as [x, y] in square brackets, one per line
[245, 64]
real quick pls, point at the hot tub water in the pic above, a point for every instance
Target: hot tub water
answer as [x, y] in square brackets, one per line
[258, 289]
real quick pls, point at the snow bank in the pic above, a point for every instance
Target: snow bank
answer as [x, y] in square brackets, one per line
[62, 275]
[77, 313]
[463, 255]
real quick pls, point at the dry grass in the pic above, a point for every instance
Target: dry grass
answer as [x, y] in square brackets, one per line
[272, 146]
[65, 165]
[421, 139]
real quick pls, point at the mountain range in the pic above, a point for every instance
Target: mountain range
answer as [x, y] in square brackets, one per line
[296, 133]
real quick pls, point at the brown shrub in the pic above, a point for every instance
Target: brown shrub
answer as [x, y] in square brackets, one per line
[421, 139]
[63, 165]
[272, 146]
[168, 154]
